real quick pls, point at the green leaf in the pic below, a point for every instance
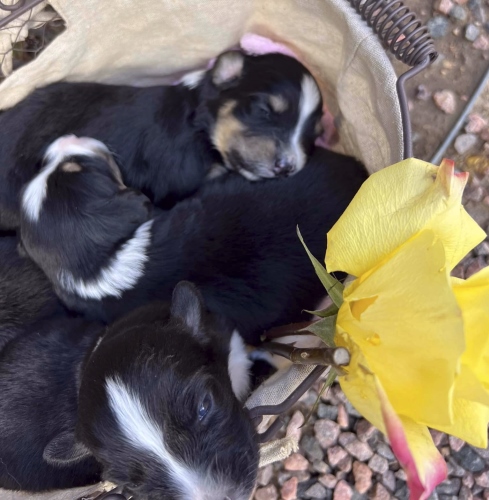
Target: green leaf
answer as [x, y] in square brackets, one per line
[331, 310]
[327, 384]
[324, 329]
[332, 285]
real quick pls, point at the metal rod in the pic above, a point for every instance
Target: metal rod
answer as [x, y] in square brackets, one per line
[437, 157]
[271, 431]
[403, 103]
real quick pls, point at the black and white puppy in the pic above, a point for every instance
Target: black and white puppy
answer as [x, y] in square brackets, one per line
[26, 295]
[153, 403]
[258, 115]
[235, 240]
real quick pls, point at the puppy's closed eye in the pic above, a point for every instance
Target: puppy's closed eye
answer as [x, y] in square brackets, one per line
[71, 166]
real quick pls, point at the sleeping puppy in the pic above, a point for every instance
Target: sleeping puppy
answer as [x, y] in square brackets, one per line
[235, 240]
[79, 195]
[153, 403]
[26, 295]
[257, 115]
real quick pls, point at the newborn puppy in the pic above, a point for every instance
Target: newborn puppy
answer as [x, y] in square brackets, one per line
[258, 115]
[151, 403]
[235, 240]
[77, 213]
[26, 295]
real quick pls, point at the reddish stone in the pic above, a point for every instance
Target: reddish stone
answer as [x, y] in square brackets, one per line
[294, 427]
[267, 493]
[481, 43]
[475, 124]
[446, 101]
[296, 462]
[444, 6]
[343, 419]
[328, 480]
[342, 491]
[482, 479]
[456, 444]
[265, 475]
[289, 489]
[336, 455]
[345, 465]
[379, 492]
[468, 480]
[361, 451]
[363, 477]
[346, 438]
[365, 430]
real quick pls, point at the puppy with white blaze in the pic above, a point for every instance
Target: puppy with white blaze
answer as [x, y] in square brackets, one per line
[234, 239]
[256, 115]
[153, 403]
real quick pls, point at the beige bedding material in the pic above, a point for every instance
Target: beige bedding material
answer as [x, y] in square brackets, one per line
[150, 42]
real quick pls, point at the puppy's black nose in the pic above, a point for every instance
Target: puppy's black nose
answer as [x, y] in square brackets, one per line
[283, 167]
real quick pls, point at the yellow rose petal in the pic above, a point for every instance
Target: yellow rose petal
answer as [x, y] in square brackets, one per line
[472, 296]
[470, 421]
[393, 205]
[404, 318]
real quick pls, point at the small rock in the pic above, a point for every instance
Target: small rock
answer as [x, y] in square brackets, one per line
[321, 467]
[484, 453]
[363, 477]
[461, 2]
[345, 465]
[458, 271]
[468, 480]
[456, 444]
[477, 10]
[485, 494]
[482, 479]
[327, 432]
[267, 493]
[458, 13]
[465, 493]
[438, 26]
[471, 32]
[328, 480]
[327, 411]
[379, 492]
[378, 464]
[449, 487]
[336, 455]
[283, 476]
[446, 101]
[454, 469]
[365, 430]
[481, 43]
[342, 491]
[339, 394]
[475, 124]
[346, 438]
[294, 427]
[302, 476]
[264, 475]
[400, 474]
[317, 490]
[444, 6]
[475, 266]
[464, 143]
[483, 250]
[296, 462]
[384, 450]
[351, 410]
[342, 420]
[289, 489]
[361, 451]
[402, 493]
[389, 480]
[422, 93]
[312, 448]
[309, 398]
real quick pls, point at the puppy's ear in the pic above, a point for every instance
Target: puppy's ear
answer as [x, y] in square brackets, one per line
[228, 69]
[64, 450]
[188, 306]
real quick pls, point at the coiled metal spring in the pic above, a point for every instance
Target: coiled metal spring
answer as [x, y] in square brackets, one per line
[398, 29]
